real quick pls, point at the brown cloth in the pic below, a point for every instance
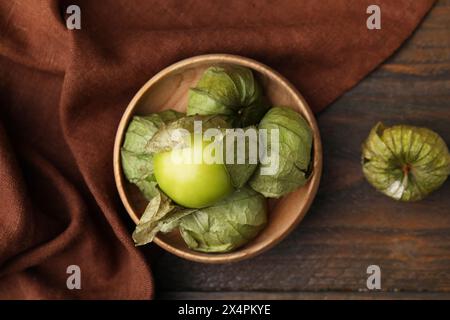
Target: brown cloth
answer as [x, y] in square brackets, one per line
[62, 94]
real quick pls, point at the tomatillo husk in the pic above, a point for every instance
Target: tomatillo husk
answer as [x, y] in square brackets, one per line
[405, 162]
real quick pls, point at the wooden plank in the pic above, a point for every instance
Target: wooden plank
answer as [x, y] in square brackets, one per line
[350, 226]
[302, 296]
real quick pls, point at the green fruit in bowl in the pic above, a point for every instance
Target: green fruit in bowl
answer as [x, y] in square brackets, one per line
[189, 178]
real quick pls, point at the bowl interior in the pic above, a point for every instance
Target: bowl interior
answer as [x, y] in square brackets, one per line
[169, 89]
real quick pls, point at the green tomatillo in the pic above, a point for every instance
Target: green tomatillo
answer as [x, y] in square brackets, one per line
[190, 177]
[405, 162]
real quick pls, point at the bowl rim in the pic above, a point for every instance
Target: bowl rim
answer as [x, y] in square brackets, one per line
[306, 111]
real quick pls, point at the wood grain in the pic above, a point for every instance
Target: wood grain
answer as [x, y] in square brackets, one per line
[350, 226]
[252, 295]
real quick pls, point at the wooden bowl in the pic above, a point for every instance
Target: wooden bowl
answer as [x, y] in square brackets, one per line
[169, 89]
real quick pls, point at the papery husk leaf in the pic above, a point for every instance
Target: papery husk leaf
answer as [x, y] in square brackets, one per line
[228, 90]
[166, 138]
[295, 148]
[405, 162]
[160, 215]
[136, 161]
[240, 173]
[227, 225]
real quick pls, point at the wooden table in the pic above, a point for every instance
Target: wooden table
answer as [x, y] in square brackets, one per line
[350, 226]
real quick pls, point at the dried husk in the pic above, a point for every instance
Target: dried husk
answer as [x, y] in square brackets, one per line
[405, 162]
